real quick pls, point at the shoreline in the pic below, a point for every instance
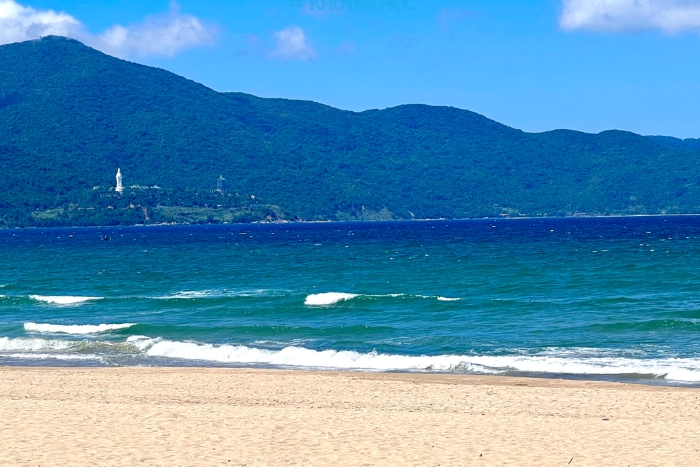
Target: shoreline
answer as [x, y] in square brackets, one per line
[400, 376]
[539, 379]
[251, 417]
[330, 222]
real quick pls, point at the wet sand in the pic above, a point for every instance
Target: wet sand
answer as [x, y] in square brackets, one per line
[205, 416]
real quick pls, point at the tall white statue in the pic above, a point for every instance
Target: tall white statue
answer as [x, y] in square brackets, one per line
[120, 187]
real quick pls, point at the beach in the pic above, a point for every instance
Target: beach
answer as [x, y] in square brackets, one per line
[210, 416]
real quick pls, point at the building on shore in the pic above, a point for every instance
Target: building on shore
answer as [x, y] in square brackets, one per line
[120, 186]
[221, 184]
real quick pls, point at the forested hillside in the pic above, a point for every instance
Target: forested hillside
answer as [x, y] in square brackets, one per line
[70, 115]
[689, 144]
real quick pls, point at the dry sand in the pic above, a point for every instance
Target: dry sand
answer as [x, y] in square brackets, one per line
[180, 417]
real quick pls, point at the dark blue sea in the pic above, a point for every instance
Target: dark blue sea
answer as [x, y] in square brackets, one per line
[602, 298]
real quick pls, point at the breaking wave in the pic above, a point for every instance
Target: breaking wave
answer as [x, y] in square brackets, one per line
[75, 328]
[671, 369]
[219, 293]
[333, 298]
[63, 300]
[548, 363]
[326, 299]
[32, 345]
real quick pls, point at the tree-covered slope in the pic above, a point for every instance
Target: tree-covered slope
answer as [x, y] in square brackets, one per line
[689, 144]
[70, 115]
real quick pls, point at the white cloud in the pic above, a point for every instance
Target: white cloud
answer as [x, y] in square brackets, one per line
[670, 16]
[164, 34]
[292, 44]
[20, 23]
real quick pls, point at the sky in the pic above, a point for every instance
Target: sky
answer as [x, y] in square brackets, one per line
[536, 65]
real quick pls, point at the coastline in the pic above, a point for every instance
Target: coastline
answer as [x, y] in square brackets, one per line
[378, 221]
[212, 416]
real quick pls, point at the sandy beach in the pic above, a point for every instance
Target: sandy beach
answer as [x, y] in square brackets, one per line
[193, 416]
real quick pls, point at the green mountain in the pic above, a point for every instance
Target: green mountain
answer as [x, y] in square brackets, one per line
[70, 116]
[689, 144]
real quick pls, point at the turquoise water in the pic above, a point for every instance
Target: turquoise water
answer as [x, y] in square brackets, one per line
[611, 298]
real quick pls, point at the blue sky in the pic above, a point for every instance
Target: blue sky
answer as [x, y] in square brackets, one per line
[536, 65]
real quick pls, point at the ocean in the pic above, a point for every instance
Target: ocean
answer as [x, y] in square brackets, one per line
[595, 298]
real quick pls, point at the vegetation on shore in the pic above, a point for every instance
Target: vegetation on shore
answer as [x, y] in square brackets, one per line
[70, 116]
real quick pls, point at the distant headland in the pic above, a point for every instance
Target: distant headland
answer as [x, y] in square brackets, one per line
[71, 117]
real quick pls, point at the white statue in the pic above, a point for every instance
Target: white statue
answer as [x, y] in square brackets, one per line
[120, 187]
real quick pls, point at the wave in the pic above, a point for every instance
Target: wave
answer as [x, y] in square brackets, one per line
[298, 357]
[327, 299]
[136, 338]
[678, 324]
[63, 300]
[75, 328]
[218, 293]
[671, 369]
[593, 362]
[49, 356]
[333, 298]
[29, 345]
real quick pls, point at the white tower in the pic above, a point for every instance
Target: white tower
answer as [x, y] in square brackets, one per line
[120, 187]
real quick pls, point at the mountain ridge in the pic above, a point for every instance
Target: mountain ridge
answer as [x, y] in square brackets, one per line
[71, 115]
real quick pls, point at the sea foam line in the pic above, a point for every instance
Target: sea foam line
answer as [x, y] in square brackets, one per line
[75, 328]
[51, 356]
[672, 369]
[29, 345]
[63, 300]
[218, 293]
[681, 370]
[333, 298]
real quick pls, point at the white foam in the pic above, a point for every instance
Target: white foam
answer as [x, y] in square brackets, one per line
[300, 357]
[46, 356]
[188, 295]
[674, 369]
[679, 370]
[327, 299]
[194, 294]
[63, 300]
[28, 345]
[447, 299]
[75, 328]
[136, 338]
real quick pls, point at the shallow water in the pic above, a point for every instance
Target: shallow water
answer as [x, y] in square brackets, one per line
[615, 298]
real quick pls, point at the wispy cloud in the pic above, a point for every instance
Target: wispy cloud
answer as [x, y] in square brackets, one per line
[163, 34]
[669, 16]
[292, 44]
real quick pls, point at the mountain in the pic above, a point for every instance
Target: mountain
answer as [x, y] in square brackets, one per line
[70, 116]
[689, 144]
